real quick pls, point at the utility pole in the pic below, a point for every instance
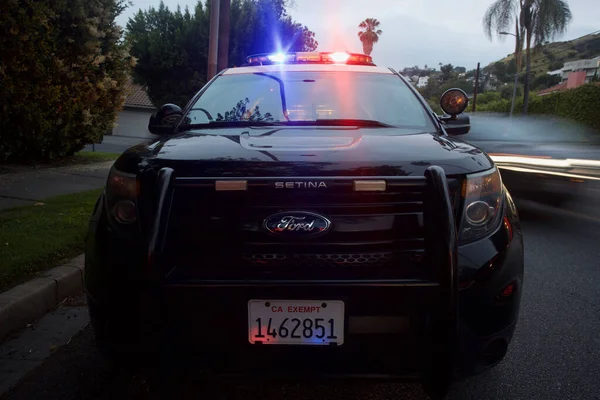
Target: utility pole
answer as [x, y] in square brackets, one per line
[517, 54]
[213, 40]
[476, 87]
[224, 27]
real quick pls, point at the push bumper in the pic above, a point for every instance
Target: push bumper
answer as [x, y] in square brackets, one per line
[416, 321]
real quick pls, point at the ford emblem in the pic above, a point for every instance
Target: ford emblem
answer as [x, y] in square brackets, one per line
[297, 224]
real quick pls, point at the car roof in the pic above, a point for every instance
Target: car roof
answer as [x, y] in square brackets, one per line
[312, 67]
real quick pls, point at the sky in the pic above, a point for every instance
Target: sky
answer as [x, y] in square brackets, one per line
[415, 32]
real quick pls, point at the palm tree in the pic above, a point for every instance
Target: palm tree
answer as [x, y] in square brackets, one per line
[542, 20]
[369, 34]
[535, 21]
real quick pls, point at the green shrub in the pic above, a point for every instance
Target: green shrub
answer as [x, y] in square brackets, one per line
[435, 105]
[499, 106]
[506, 91]
[581, 104]
[487, 97]
[62, 69]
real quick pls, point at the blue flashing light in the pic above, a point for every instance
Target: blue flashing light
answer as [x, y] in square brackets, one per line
[277, 57]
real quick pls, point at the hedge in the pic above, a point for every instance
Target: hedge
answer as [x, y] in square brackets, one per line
[581, 104]
[500, 106]
[487, 97]
[62, 71]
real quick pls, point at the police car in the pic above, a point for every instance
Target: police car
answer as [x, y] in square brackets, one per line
[307, 214]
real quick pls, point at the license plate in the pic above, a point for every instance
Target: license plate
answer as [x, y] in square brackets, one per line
[301, 322]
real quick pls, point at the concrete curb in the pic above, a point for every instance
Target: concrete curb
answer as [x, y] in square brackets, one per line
[29, 301]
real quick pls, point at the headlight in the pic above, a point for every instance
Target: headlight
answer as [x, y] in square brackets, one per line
[121, 196]
[482, 195]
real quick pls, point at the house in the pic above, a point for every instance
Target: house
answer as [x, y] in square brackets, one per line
[490, 81]
[558, 72]
[557, 88]
[583, 69]
[133, 119]
[423, 81]
[574, 74]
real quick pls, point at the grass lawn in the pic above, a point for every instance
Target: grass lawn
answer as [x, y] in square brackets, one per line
[87, 157]
[79, 158]
[39, 237]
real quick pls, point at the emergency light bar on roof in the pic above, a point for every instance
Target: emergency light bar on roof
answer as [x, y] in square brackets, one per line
[310, 57]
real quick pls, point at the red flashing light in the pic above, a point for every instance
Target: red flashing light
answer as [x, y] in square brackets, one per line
[357, 58]
[339, 57]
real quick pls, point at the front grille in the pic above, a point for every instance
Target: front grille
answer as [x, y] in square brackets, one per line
[320, 260]
[374, 235]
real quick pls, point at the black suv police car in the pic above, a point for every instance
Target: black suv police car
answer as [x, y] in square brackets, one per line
[307, 213]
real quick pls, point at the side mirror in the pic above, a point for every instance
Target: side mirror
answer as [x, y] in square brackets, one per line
[454, 102]
[460, 125]
[164, 120]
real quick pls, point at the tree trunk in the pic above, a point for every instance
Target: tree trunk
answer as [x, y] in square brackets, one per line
[224, 29]
[518, 45]
[527, 74]
[367, 48]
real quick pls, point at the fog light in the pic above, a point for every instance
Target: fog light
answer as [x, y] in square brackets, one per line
[125, 212]
[478, 212]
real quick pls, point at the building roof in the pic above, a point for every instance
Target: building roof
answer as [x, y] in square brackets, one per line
[552, 89]
[136, 96]
[590, 63]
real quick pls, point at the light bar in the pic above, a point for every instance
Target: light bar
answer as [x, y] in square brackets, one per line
[340, 57]
[231, 185]
[369, 186]
[307, 56]
[280, 57]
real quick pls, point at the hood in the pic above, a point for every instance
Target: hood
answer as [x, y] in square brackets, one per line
[306, 152]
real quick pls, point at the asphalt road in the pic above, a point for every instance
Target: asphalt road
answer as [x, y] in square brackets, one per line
[555, 353]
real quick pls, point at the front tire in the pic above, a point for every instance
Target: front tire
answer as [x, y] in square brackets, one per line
[117, 341]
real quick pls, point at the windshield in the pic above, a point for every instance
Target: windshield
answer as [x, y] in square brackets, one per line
[288, 97]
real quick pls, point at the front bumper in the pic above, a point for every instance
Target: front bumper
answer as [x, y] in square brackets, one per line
[390, 326]
[208, 327]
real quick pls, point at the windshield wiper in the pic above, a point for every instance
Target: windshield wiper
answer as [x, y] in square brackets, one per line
[362, 123]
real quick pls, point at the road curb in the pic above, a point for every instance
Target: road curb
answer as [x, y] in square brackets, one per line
[29, 301]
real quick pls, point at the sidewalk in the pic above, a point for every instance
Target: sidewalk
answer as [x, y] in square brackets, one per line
[27, 185]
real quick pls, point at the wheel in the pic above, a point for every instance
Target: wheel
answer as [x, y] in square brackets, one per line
[117, 342]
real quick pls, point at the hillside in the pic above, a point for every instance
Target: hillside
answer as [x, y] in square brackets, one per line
[552, 56]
